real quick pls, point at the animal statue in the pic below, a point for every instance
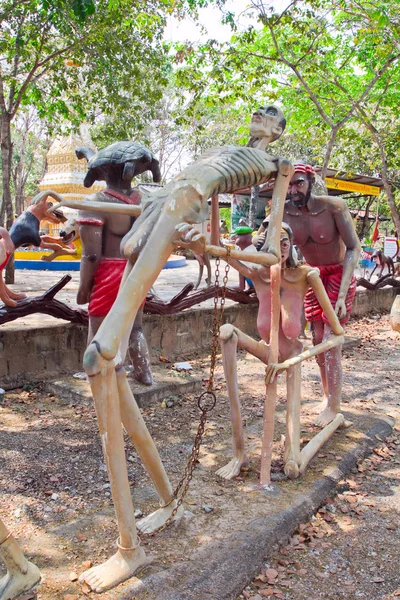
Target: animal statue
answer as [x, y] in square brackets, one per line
[102, 265]
[146, 247]
[25, 232]
[381, 261]
[296, 279]
[67, 236]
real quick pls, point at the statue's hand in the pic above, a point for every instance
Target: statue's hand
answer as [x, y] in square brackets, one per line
[273, 369]
[191, 238]
[340, 308]
[83, 295]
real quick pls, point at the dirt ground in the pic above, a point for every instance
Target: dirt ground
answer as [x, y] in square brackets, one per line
[55, 494]
[351, 548]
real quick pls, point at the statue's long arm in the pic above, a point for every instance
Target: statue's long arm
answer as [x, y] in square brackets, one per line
[107, 207]
[336, 339]
[348, 234]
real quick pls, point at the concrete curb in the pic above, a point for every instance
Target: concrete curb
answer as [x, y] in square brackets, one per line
[222, 569]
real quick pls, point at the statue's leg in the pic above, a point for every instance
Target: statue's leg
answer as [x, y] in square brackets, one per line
[5, 293]
[135, 342]
[292, 440]
[130, 556]
[21, 575]
[333, 367]
[139, 352]
[143, 442]
[319, 440]
[231, 338]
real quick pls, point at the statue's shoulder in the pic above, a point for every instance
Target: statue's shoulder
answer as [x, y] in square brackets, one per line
[298, 273]
[332, 203]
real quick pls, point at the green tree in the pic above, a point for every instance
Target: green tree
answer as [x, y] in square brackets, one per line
[330, 64]
[71, 59]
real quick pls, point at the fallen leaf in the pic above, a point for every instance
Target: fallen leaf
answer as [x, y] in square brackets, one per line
[73, 576]
[271, 573]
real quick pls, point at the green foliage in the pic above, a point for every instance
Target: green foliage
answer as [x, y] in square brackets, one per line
[332, 64]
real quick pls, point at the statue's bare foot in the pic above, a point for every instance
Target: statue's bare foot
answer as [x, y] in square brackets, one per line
[232, 469]
[16, 295]
[142, 374]
[14, 584]
[292, 469]
[157, 518]
[120, 567]
[325, 417]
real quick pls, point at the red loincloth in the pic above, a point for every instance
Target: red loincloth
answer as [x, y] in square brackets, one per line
[331, 277]
[5, 263]
[107, 279]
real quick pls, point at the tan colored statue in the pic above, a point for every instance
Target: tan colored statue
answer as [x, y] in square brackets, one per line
[21, 575]
[324, 232]
[295, 281]
[147, 247]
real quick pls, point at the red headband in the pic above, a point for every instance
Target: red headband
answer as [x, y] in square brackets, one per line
[302, 168]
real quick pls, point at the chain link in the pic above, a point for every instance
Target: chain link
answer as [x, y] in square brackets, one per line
[207, 399]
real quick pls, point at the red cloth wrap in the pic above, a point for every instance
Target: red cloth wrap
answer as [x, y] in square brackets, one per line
[107, 280]
[5, 263]
[331, 276]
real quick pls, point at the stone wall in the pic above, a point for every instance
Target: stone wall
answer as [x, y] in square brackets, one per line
[36, 353]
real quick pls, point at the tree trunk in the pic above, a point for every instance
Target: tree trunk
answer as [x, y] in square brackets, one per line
[253, 206]
[384, 174]
[366, 215]
[329, 148]
[6, 155]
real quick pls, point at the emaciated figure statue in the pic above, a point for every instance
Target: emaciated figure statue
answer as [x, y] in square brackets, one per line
[295, 281]
[324, 232]
[102, 265]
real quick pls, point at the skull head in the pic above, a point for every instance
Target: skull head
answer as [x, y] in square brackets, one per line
[267, 122]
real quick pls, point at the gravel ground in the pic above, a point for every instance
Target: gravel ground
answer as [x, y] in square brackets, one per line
[54, 490]
[351, 547]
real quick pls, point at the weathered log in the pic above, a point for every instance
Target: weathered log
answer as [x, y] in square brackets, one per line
[387, 279]
[45, 304]
[184, 299]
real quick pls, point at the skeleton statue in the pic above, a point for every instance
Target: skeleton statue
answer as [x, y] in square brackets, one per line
[21, 575]
[294, 285]
[147, 247]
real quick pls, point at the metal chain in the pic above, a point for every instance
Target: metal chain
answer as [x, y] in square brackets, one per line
[205, 404]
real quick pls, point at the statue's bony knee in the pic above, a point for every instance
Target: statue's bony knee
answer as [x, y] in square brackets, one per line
[92, 359]
[226, 332]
